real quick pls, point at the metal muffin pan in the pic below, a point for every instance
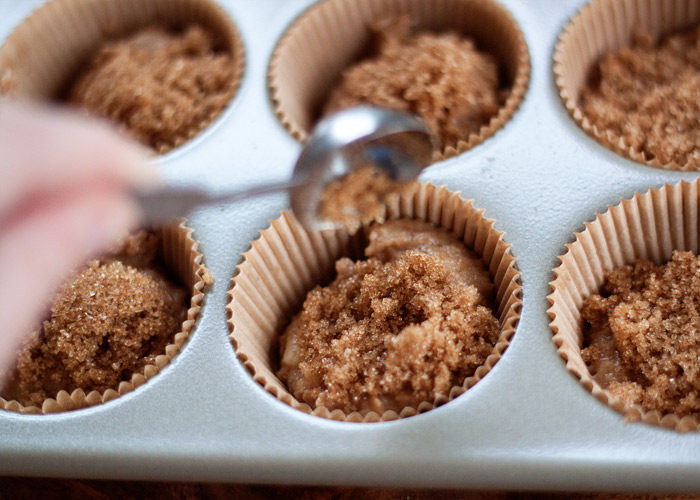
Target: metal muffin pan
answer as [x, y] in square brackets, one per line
[528, 424]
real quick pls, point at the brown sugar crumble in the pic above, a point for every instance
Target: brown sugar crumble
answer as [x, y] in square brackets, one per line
[648, 96]
[402, 327]
[361, 197]
[107, 322]
[442, 78]
[162, 88]
[642, 338]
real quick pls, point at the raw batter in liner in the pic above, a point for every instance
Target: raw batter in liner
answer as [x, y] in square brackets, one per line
[401, 327]
[648, 95]
[642, 338]
[163, 88]
[442, 78]
[107, 322]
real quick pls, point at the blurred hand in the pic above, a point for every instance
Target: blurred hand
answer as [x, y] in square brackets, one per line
[64, 195]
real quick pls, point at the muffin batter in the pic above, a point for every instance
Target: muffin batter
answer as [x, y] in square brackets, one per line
[163, 88]
[107, 322]
[441, 78]
[647, 95]
[402, 327]
[642, 339]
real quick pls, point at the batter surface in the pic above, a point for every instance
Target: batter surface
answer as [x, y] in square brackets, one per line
[108, 321]
[401, 327]
[642, 338]
[163, 88]
[647, 94]
[442, 78]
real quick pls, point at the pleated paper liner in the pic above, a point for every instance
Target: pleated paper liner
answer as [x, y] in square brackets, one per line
[326, 39]
[287, 261]
[179, 252]
[47, 50]
[647, 226]
[603, 26]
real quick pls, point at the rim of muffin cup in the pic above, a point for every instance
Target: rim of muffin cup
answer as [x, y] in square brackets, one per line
[179, 252]
[647, 226]
[602, 26]
[46, 51]
[286, 261]
[328, 36]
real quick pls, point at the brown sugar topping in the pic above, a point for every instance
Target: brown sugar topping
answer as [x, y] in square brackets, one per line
[402, 327]
[107, 322]
[647, 95]
[163, 88]
[441, 78]
[361, 197]
[642, 341]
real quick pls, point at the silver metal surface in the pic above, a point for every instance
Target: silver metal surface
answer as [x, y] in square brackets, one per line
[396, 143]
[527, 424]
[164, 203]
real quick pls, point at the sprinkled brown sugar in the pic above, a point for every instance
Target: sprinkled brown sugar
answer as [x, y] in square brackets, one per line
[163, 88]
[643, 335]
[360, 197]
[401, 327]
[107, 322]
[648, 95]
[441, 78]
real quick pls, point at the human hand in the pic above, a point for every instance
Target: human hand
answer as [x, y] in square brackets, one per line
[64, 195]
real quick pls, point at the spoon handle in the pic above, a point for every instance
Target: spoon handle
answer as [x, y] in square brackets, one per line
[159, 205]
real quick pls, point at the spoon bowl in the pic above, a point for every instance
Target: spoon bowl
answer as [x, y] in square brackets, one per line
[396, 143]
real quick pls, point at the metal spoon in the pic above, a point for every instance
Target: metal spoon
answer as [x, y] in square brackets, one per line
[397, 143]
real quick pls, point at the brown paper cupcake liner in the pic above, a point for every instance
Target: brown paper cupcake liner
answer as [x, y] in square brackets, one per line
[329, 36]
[46, 51]
[287, 261]
[647, 226]
[603, 26]
[179, 252]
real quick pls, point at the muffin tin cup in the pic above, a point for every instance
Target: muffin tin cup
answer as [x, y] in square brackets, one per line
[528, 425]
[180, 254]
[43, 54]
[603, 26]
[648, 226]
[287, 261]
[326, 39]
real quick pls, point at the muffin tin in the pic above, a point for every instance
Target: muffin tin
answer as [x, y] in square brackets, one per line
[527, 424]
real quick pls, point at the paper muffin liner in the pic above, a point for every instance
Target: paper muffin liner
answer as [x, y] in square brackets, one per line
[287, 261]
[603, 26]
[647, 226]
[328, 37]
[179, 252]
[46, 51]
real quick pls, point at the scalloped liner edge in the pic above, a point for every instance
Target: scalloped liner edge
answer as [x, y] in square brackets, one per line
[78, 399]
[605, 138]
[561, 317]
[510, 285]
[505, 113]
